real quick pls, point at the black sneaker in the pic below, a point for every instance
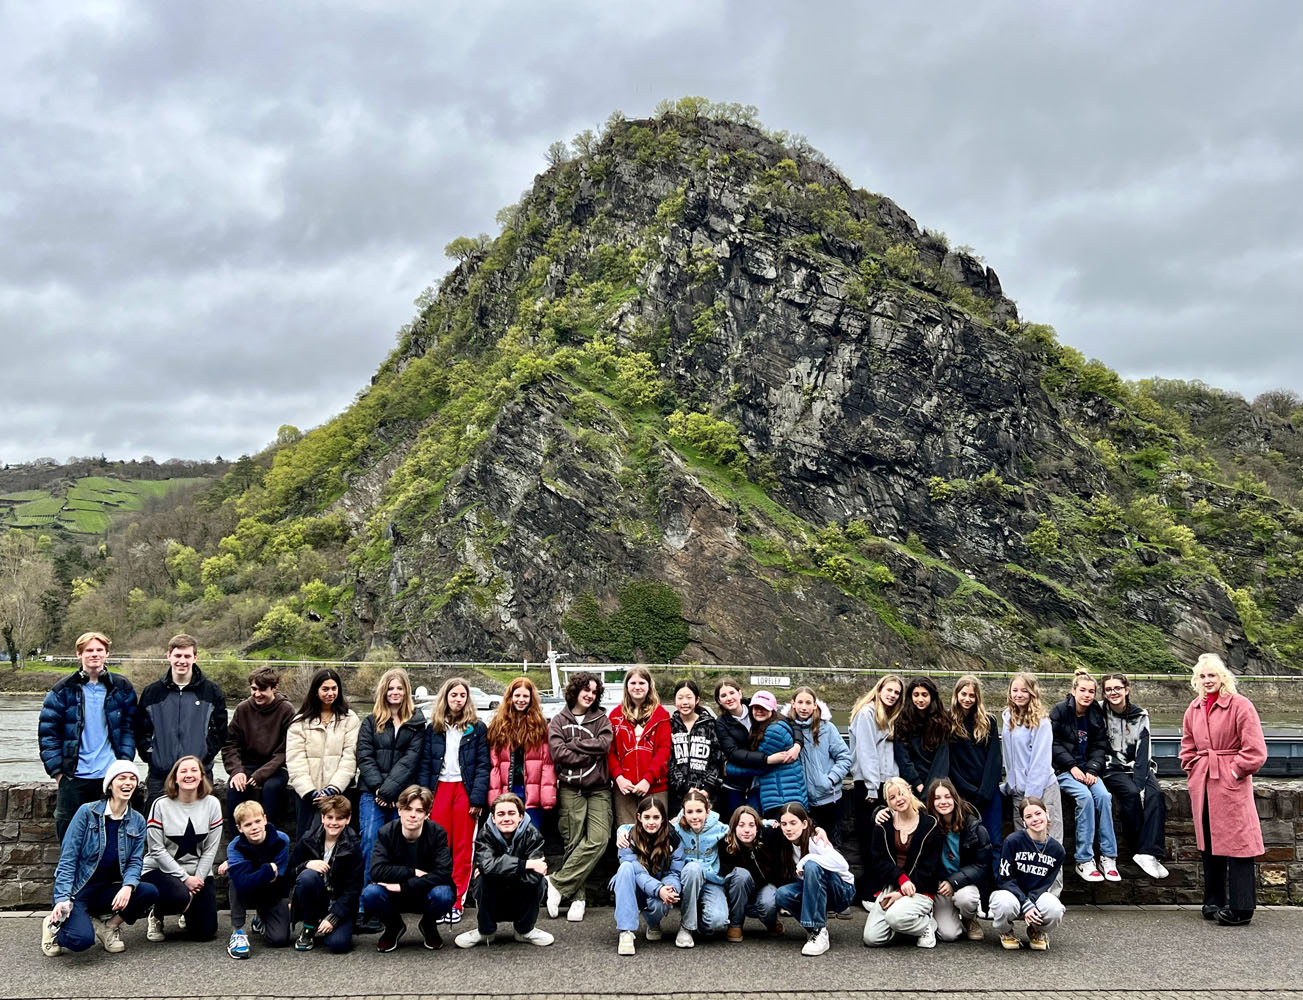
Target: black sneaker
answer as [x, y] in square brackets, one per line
[367, 924]
[390, 936]
[1232, 918]
[304, 941]
[430, 934]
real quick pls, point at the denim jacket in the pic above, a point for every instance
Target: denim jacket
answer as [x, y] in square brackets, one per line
[83, 846]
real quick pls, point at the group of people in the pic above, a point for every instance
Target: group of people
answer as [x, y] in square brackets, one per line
[723, 815]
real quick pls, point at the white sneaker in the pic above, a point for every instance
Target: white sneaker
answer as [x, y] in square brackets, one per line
[654, 932]
[553, 899]
[49, 945]
[154, 926]
[626, 943]
[470, 938]
[1150, 865]
[576, 911]
[816, 942]
[180, 922]
[1109, 867]
[535, 936]
[1088, 871]
[110, 937]
[683, 939]
[928, 939]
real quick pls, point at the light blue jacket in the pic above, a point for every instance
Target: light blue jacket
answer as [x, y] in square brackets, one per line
[83, 846]
[703, 847]
[650, 883]
[825, 764]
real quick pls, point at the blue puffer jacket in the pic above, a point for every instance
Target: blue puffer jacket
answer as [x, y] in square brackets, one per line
[703, 847]
[472, 757]
[83, 846]
[777, 784]
[824, 764]
[63, 716]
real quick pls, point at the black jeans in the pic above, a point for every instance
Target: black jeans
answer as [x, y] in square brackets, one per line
[271, 794]
[507, 899]
[312, 904]
[865, 804]
[174, 898]
[72, 795]
[1219, 870]
[1145, 827]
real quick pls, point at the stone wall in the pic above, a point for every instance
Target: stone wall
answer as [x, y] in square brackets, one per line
[29, 851]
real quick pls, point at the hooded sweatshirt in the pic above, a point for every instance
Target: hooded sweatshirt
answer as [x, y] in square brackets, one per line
[702, 846]
[1128, 743]
[975, 767]
[579, 749]
[255, 741]
[696, 760]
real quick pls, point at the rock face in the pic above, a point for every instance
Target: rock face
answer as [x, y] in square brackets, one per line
[698, 357]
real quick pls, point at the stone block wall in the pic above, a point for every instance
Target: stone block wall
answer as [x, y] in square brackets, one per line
[29, 851]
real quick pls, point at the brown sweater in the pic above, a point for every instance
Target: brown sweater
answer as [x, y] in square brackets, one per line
[255, 741]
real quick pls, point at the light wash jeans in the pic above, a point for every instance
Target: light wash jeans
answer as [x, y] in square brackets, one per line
[818, 892]
[630, 901]
[703, 905]
[745, 900]
[1094, 806]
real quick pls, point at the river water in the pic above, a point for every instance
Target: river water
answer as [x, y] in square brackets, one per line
[19, 714]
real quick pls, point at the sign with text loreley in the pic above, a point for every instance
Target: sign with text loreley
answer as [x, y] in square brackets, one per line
[770, 681]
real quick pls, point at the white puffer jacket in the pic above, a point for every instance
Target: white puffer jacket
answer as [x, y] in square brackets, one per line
[318, 756]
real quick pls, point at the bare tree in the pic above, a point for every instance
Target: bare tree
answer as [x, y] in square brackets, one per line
[25, 577]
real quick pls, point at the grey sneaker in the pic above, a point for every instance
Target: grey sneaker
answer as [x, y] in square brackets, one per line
[49, 944]
[110, 937]
[154, 926]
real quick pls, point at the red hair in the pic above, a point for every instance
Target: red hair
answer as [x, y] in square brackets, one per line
[511, 728]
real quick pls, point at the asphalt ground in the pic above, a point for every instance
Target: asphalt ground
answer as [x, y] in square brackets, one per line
[1099, 952]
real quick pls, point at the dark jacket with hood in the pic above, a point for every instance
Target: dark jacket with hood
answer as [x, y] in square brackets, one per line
[498, 858]
[389, 859]
[472, 759]
[255, 740]
[344, 880]
[974, 858]
[63, 716]
[249, 865]
[174, 722]
[735, 747]
[388, 761]
[975, 767]
[579, 749]
[695, 757]
[922, 860]
[763, 859]
[1063, 722]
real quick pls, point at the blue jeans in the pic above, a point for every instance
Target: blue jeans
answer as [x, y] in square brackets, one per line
[1094, 805]
[535, 814]
[816, 893]
[388, 907]
[370, 818]
[703, 905]
[993, 820]
[312, 903]
[745, 900]
[630, 901]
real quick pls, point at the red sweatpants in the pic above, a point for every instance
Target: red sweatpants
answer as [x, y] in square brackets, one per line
[452, 811]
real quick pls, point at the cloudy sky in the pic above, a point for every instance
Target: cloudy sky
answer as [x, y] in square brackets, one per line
[214, 217]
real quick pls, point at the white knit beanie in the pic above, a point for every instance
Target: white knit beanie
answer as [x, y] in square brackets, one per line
[116, 768]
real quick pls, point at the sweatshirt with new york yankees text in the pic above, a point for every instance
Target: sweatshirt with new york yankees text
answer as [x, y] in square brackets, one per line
[1028, 867]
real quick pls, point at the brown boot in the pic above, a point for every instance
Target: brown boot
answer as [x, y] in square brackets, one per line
[734, 934]
[777, 929]
[972, 929]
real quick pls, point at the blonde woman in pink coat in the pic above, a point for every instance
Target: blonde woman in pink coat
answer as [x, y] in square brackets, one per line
[1221, 749]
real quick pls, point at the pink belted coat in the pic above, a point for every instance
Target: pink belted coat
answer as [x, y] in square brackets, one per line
[1217, 745]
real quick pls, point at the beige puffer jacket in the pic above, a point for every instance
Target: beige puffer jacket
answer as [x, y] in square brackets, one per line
[318, 756]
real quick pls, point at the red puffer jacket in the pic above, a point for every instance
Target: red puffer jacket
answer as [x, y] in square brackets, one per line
[540, 775]
[646, 756]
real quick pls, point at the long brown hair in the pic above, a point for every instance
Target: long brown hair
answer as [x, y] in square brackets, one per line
[955, 824]
[815, 720]
[628, 710]
[1031, 715]
[510, 728]
[441, 719]
[653, 851]
[381, 712]
[731, 842]
[802, 843]
[981, 720]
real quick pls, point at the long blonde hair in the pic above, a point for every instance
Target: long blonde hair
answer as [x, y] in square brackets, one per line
[883, 717]
[898, 782]
[631, 712]
[381, 711]
[1211, 661]
[1031, 715]
[981, 720]
[441, 720]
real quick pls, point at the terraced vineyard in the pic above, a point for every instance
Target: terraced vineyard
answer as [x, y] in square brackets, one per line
[84, 507]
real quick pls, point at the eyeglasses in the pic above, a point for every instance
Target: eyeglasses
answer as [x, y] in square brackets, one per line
[1114, 690]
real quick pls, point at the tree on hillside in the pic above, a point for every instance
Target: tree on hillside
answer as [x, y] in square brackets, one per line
[26, 576]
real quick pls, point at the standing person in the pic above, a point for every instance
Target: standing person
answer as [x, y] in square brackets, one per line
[1131, 776]
[327, 866]
[733, 730]
[579, 737]
[966, 869]
[254, 754]
[704, 905]
[975, 757]
[816, 878]
[695, 757]
[905, 866]
[750, 863]
[639, 760]
[182, 835]
[98, 875]
[258, 865]
[873, 759]
[456, 767]
[1031, 862]
[181, 714]
[1080, 749]
[518, 750]
[321, 747]
[921, 735]
[411, 872]
[390, 742]
[780, 779]
[1222, 748]
[648, 882]
[509, 857]
[1027, 744]
[86, 724]
[825, 761]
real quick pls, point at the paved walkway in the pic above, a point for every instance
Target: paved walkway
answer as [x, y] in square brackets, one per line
[1102, 952]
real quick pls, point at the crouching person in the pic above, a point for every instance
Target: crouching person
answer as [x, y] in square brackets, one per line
[258, 864]
[1030, 861]
[411, 872]
[509, 856]
[328, 879]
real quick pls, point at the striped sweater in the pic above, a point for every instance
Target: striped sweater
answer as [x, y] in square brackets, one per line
[182, 837]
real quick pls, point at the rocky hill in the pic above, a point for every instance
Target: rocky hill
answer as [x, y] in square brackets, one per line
[703, 399]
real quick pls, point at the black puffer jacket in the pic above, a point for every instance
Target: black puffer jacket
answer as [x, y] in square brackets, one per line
[763, 859]
[974, 859]
[387, 762]
[1063, 722]
[922, 860]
